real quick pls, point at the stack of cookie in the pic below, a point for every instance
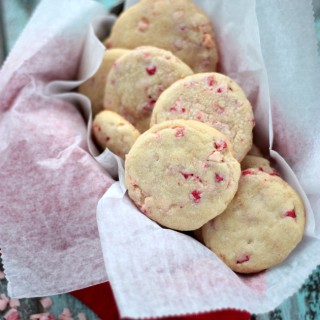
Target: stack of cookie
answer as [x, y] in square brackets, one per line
[185, 133]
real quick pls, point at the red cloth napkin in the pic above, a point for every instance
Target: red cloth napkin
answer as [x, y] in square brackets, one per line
[99, 298]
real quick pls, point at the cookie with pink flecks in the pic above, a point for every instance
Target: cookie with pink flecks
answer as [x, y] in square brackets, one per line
[137, 79]
[260, 163]
[260, 227]
[112, 131]
[94, 87]
[255, 151]
[177, 26]
[214, 99]
[181, 174]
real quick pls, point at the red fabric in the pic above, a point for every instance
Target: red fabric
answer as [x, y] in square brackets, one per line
[100, 299]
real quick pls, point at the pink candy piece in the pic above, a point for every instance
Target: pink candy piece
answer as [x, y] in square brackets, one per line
[150, 104]
[210, 81]
[217, 108]
[65, 315]
[179, 132]
[42, 316]
[186, 175]
[219, 90]
[218, 177]
[3, 302]
[290, 213]
[14, 303]
[243, 258]
[46, 302]
[81, 316]
[196, 196]
[220, 145]
[151, 70]
[247, 172]
[173, 109]
[143, 24]
[12, 314]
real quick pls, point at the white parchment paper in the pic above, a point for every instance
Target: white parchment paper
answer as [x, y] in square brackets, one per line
[49, 183]
[159, 272]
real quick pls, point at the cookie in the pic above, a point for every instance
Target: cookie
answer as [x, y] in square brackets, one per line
[181, 174]
[214, 99]
[94, 87]
[178, 26]
[112, 131]
[255, 151]
[136, 80]
[259, 163]
[260, 227]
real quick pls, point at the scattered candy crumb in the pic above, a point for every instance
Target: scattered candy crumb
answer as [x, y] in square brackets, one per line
[66, 315]
[12, 314]
[42, 316]
[3, 302]
[14, 303]
[81, 316]
[46, 302]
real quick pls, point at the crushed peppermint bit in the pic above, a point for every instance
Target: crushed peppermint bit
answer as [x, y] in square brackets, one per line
[247, 172]
[179, 132]
[220, 145]
[290, 213]
[186, 175]
[12, 314]
[42, 316]
[196, 196]
[243, 258]
[151, 70]
[173, 109]
[218, 177]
